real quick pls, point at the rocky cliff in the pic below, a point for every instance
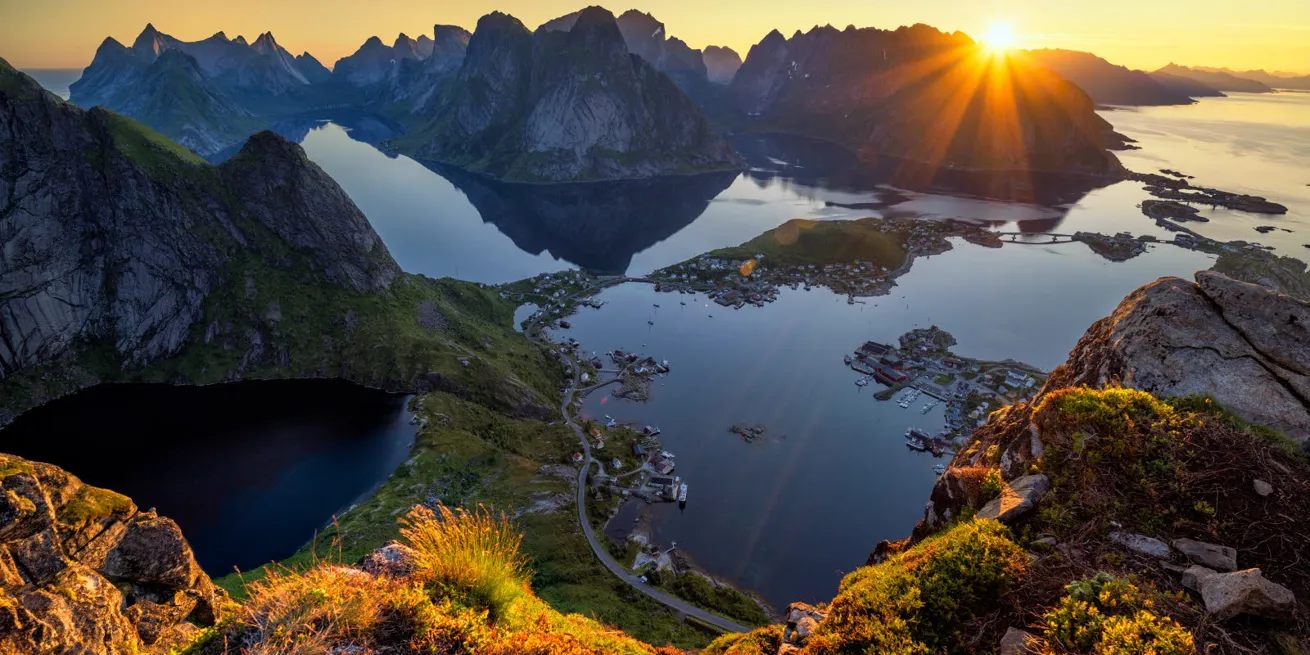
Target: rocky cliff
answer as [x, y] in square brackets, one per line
[83, 570]
[126, 257]
[921, 95]
[1106, 83]
[565, 106]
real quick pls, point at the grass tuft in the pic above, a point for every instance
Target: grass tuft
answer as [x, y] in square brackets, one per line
[472, 557]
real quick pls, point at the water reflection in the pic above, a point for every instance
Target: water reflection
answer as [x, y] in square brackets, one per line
[811, 166]
[597, 226]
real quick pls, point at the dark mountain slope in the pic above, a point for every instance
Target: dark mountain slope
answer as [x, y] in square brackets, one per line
[127, 258]
[1218, 81]
[1107, 83]
[922, 95]
[565, 106]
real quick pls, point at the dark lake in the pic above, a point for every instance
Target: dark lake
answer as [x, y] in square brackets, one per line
[249, 470]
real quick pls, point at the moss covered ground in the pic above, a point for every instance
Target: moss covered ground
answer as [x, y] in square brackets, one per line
[805, 242]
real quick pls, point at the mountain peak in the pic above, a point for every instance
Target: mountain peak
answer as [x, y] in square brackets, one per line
[149, 43]
[219, 36]
[373, 41]
[241, 40]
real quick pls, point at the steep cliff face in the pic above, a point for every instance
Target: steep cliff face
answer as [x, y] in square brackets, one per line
[126, 257]
[565, 105]
[82, 570]
[922, 95]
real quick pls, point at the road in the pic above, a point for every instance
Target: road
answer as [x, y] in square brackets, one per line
[633, 580]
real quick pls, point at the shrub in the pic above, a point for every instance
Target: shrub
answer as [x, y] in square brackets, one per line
[764, 641]
[1106, 615]
[992, 485]
[472, 557]
[917, 601]
[292, 613]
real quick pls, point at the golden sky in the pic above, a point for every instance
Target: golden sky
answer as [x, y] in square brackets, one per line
[1270, 34]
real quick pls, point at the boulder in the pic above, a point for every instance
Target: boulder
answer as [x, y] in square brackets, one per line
[805, 627]
[1227, 595]
[797, 611]
[392, 560]
[1221, 558]
[1018, 498]
[1246, 346]
[77, 613]
[152, 551]
[1019, 642]
[40, 556]
[1262, 489]
[1139, 543]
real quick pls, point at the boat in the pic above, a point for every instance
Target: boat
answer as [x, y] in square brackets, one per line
[847, 360]
[682, 493]
[657, 306]
[861, 382]
[650, 322]
[939, 469]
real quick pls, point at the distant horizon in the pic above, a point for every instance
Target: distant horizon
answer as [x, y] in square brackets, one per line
[1269, 35]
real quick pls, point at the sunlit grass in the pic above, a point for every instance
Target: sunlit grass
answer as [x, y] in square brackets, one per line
[472, 556]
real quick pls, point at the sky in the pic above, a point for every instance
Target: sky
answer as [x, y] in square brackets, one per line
[1145, 34]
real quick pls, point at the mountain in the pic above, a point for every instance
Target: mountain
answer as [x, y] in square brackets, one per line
[921, 95]
[1186, 85]
[1217, 80]
[372, 63]
[1107, 83]
[560, 106]
[211, 97]
[1274, 80]
[646, 37]
[314, 72]
[168, 91]
[402, 79]
[128, 258]
[721, 64]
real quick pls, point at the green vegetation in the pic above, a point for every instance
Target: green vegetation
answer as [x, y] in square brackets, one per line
[916, 602]
[764, 641]
[470, 556]
[1256, 266]
[1207, 406]
[1109, 616]
[437, 609]
[16, 84]
[150, 150]
[466, 454]
[992, 485]
[93, 503]
[805, 242]
[723, 600]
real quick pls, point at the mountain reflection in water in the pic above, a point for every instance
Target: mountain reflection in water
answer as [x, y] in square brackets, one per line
[598, 226]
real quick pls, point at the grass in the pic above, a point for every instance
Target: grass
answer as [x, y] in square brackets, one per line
[93, 503]
[805, 242]
[466, 560]
[764, 641]
[723, 600]
[472, 556]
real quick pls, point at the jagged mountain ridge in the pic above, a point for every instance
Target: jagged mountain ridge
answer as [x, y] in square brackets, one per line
[899, 94]
[646, 37]
[565, 106]
[1107, 83]
[1273, 80]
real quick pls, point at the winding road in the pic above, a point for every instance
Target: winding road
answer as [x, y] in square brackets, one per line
[672, 602]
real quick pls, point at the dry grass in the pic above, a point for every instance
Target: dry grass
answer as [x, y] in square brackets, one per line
[292, 613]
[471, 556]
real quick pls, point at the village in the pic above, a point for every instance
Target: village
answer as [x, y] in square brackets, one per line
[922, 367]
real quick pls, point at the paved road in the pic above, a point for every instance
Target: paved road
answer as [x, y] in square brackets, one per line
[601, 552]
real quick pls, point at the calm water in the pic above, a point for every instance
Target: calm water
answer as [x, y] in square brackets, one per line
[787, 517]
[249, 470]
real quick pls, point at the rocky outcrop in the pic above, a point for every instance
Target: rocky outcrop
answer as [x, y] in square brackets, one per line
[1017, 499]
[721, 64]
[897, 95]
[565, 106]
[83, 570]
[1243, 344]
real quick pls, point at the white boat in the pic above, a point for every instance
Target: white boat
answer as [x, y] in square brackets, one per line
[939, 469]
[682, 493]
[861, 382]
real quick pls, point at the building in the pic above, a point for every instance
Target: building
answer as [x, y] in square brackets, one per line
[638, 450]
[616, 464]
[875, 349]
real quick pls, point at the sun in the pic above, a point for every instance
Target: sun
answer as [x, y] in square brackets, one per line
[999, 36]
